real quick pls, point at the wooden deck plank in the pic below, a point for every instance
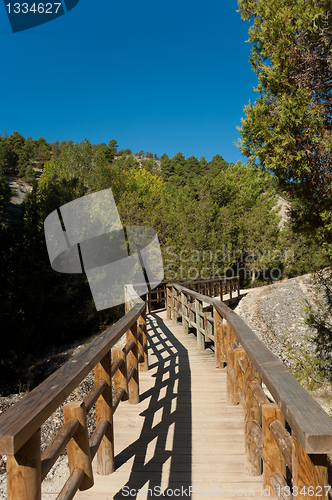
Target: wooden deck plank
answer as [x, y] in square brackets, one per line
[182, 433]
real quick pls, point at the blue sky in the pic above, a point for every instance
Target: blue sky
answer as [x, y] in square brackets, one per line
[162, 76]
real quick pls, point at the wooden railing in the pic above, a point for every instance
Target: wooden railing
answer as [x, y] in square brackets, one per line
[269, 448]
[212, 287]
[20, 436]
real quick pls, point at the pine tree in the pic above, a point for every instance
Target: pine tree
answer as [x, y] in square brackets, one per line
[288, 130]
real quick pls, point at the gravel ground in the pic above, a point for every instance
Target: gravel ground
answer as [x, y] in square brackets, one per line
[276, 313]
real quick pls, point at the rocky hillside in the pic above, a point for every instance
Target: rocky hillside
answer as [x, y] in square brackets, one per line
[276, 314]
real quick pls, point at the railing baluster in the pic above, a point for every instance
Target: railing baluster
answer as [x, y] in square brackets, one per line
[238, 375]
[253, 461]
[120, 376]
[273, 459]
[144, 365]
[219, 340]
[199, 325]
[168, 303]
[231, 338]
[309, 473]
[78, 447]
[24, 471]
[104, 409]
[185, 313]
[132, 363]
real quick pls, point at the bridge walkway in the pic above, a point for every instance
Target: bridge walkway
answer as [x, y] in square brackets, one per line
[182, 434]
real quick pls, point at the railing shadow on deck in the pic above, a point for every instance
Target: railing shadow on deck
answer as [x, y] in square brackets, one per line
[170, 399]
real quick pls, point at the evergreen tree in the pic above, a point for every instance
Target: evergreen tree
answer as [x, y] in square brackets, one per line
[288, 130]
[166, 166]
[8, 157]
[113, 146]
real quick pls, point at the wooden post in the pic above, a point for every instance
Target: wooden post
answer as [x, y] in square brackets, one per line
[178, 305]
[252, 459]
[231, 399]
[168, 302]
[219, 340]
[309, 473]
[104, 409]
[120, 376]
[200, 325]
[238, 374]
[144, 365]
[174, 305]
[78, 447]
[208, 326]
[149, 297]
[185, 313]
[273, 459]
[191, 313]
[132, 361]
[221, 289]
[24, 471]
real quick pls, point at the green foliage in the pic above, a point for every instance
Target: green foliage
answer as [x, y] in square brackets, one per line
[321, 319]
[150, 166]
[113, 146]
[143, 201]
[124, 152]
[225, 210]
[301, 253]
[8, 157]
[44, 308]
[219, 220]
[307, 367]
[288, 130]
[77, 161]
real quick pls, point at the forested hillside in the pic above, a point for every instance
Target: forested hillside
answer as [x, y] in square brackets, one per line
[212, 218]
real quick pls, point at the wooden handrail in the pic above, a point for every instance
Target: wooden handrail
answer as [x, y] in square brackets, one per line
[20, 421]
[20, 424]
[210, 286]
[268, 445]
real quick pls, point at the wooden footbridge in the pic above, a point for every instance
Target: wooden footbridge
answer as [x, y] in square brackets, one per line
[209, 411]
